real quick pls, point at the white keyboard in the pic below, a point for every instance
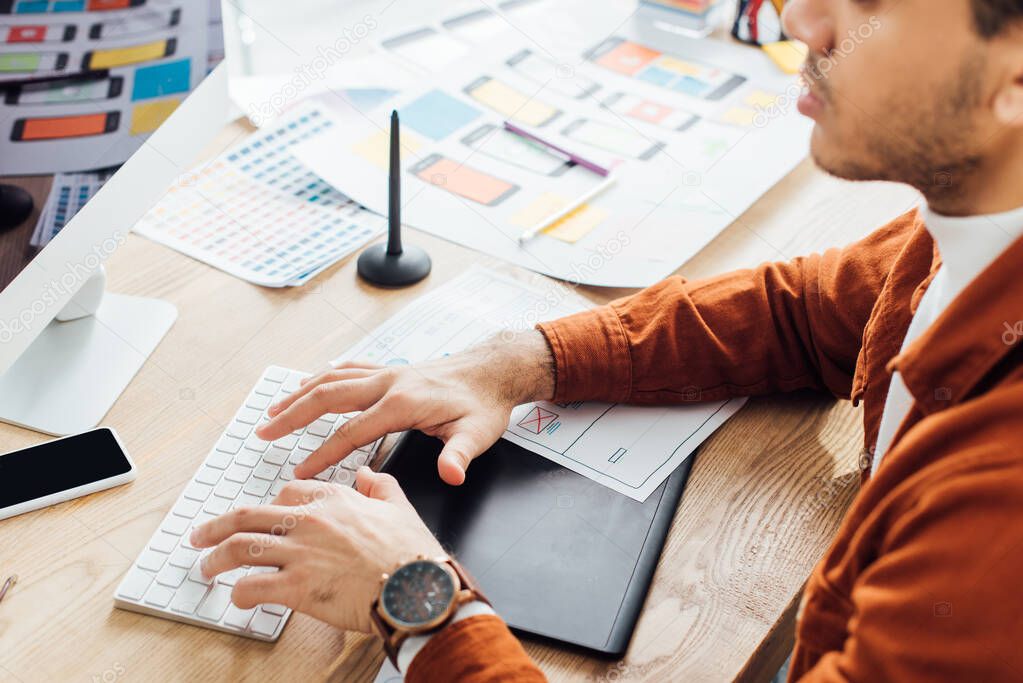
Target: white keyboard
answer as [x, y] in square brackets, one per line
[242, 469]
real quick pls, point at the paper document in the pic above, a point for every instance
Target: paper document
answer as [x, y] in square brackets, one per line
[258, 214]
[695, 131]
[629, 449]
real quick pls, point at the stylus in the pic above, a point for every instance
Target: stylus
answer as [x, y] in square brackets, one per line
[561, 151]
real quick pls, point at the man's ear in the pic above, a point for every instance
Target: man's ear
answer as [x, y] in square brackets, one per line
[1008, 102]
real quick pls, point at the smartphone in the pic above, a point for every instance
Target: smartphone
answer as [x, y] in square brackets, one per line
[497, 143]
[510, 102]
[543, 71]
[621, 141]
[145, 22]
[57, 127]
[649, 111]
[463, 181]
[87, 87]
[61, 470]
[38, 33]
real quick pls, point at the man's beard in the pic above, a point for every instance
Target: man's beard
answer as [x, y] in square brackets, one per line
[937, 159]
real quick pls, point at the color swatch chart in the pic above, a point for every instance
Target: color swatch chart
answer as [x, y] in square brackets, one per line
[256, 213]
[114, 71]
[69, 193]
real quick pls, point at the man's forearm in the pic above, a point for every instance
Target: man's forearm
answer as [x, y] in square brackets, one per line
[522, 364]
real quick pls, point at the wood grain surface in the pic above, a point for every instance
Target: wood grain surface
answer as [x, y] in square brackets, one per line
[765, 496]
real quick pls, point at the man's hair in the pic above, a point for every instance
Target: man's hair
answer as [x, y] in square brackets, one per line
[994, 16]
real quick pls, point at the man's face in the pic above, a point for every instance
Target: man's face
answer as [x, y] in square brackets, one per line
[899, 89]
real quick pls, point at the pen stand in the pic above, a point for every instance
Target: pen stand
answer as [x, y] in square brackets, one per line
[379, 266]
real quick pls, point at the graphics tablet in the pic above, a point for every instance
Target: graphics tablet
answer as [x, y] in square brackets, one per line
[558, 555]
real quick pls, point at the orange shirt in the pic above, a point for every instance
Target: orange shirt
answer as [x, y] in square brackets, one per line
[922, 581]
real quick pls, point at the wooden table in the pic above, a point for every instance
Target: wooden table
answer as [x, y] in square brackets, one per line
[766, 494]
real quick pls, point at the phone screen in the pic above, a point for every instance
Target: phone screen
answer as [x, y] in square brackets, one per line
[464, 181]
[509, 148]
[510, 102]
[622, 141]
[60, 465]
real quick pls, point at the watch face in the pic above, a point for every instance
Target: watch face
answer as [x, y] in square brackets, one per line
[418, 593]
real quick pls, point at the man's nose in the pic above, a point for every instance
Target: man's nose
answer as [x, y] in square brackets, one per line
[810, 22]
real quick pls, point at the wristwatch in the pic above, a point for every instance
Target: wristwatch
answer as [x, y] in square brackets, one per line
[420, 597]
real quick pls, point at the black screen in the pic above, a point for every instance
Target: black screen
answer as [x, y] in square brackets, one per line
[60, 465]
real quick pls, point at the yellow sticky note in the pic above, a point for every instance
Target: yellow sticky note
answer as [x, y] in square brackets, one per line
[761, 98]
[145, 118]
[376, 149]
[739, 116]
[789, 55]
[571, 228]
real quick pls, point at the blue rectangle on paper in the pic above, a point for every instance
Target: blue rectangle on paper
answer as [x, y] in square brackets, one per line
[691, 86]
[69, 6]
[655, 75]
[33, 7]
[161, 80]
[437, 114]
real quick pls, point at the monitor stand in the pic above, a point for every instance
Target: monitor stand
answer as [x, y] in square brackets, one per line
[70, 376]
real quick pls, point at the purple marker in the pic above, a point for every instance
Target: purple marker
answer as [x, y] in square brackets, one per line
[571, 156]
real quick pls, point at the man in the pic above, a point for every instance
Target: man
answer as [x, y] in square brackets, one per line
[919, 321]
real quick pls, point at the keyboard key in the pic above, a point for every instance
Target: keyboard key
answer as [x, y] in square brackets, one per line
[239, 430]
[175, 525]
[344, 477]
[163, 542]
[217, 506]
[257, 487]
[310, 442]
[216, 603]
[286, 442]
[219, 460]
[188, 597]
[229, 444]
[325, 475]
[287, 472]
[265, 388]
[247, 500]
[276, 488]
[355, 461]
[264, 623]
[275, 374]
[197, 491]
[258, 401]
[249, 416]
[152, 560]
[320, 428]
[254, 443]
[195, 574]
[276, 455]
[266, 471]
[171, 576]
[227, 489]
[134, 584]
[279, 610]
[187, 508]
[159, 596]
[208, 476]
[293, 382]
[298, 456]
[230, 578]
[247, 458]
[237, 473]
[238, 618]
[184, 557]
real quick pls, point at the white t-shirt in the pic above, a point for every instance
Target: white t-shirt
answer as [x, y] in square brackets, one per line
[968, 245]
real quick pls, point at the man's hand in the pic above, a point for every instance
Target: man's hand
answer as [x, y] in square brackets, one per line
[465, 400]
[332, 545]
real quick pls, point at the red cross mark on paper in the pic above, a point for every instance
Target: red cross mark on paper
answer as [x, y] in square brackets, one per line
[537, 420]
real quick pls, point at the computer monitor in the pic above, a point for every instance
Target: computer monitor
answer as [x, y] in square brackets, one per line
[84, 86]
